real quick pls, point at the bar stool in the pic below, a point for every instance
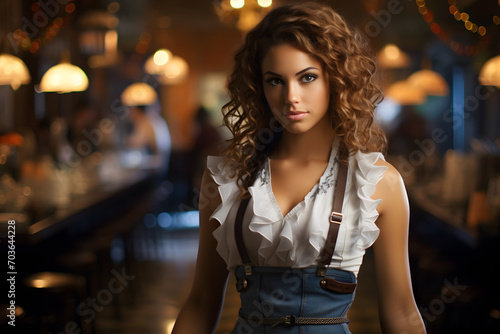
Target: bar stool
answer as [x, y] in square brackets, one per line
[80, 262]
[55, 302]
[84, 263]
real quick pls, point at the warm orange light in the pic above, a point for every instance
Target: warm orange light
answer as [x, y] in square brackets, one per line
[403, 93]
[13, 71]
[265, 3]
[64, 78]
[392, 57]
[161, 57]
[432, 83]
[237, 4]
[113, 7]
[58, 22]
[70, 8]
[490, 73]
[435, 28]
[139, 94]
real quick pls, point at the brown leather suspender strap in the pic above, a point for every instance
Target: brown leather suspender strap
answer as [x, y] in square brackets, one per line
[335, 221]
[238, 233]
[333, 231]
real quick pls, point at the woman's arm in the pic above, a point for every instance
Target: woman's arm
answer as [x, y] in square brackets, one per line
[201, 311]
[398, 311]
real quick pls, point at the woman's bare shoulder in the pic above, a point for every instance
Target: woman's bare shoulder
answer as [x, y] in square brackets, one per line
[390, 189]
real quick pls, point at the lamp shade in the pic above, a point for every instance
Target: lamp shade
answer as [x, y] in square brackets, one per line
[405, 93]
[13, 71]
[139, 94]
[430, 82]
[64, 78]
[392, 57]
[490, 73]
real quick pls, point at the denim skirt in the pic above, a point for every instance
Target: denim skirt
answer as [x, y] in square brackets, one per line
[273, 292]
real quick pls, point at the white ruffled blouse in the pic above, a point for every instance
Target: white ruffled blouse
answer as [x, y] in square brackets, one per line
[297, 239]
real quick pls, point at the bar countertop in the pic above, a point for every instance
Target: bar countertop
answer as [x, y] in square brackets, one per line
[85, 212]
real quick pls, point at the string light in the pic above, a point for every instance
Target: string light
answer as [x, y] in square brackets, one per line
[41, 20]
[457, 47]
[465, 18]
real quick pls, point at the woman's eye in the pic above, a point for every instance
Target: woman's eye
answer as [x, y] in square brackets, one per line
[274, 81]
[309, 77]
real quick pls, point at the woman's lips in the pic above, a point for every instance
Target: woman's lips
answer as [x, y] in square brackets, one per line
[295, 115]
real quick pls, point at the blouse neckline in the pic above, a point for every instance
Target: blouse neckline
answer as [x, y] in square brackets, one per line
[325, 178]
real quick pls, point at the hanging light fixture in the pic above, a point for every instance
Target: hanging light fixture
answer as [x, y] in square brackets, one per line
[64, 78]
[138, 94]
[432, 83]
[392, 57]
[13, 71]
[490, 72]
[403, 93]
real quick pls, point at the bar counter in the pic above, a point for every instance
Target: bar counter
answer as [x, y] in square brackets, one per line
[115, 206]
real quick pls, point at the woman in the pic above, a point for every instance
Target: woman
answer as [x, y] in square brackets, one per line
[301, 115]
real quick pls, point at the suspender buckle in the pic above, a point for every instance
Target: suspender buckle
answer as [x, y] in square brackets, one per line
[248, 269]
[321, 271]
[336, 217]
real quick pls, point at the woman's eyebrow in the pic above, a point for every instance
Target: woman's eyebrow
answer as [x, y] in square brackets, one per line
[306, 69]
[298, 73]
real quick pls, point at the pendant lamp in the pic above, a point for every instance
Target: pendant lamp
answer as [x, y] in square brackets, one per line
[432, 83]
[13, 71]
[392, 57]
[490, 73]
[403, 93]
[138, 94]
[64, 78]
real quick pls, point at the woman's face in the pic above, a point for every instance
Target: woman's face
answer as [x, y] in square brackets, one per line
[296, 88]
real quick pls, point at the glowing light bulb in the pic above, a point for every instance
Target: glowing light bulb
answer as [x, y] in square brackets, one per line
[161, 57]
[265, 3]
[237, 4]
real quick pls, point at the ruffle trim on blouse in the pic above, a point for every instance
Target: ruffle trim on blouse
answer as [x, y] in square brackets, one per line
[367, 177]
[267, 217]
[229, 191]
[267, 214]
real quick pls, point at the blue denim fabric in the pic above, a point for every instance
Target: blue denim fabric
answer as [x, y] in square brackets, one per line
[275, 292]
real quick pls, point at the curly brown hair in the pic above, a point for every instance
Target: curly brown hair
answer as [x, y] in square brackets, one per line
[344, 54]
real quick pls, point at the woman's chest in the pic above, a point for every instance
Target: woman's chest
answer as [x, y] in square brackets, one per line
[291, 182]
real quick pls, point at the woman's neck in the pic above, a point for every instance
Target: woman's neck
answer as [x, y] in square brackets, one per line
[315, 144]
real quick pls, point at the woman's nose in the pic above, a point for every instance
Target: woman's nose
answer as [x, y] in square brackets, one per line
[292, 93]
